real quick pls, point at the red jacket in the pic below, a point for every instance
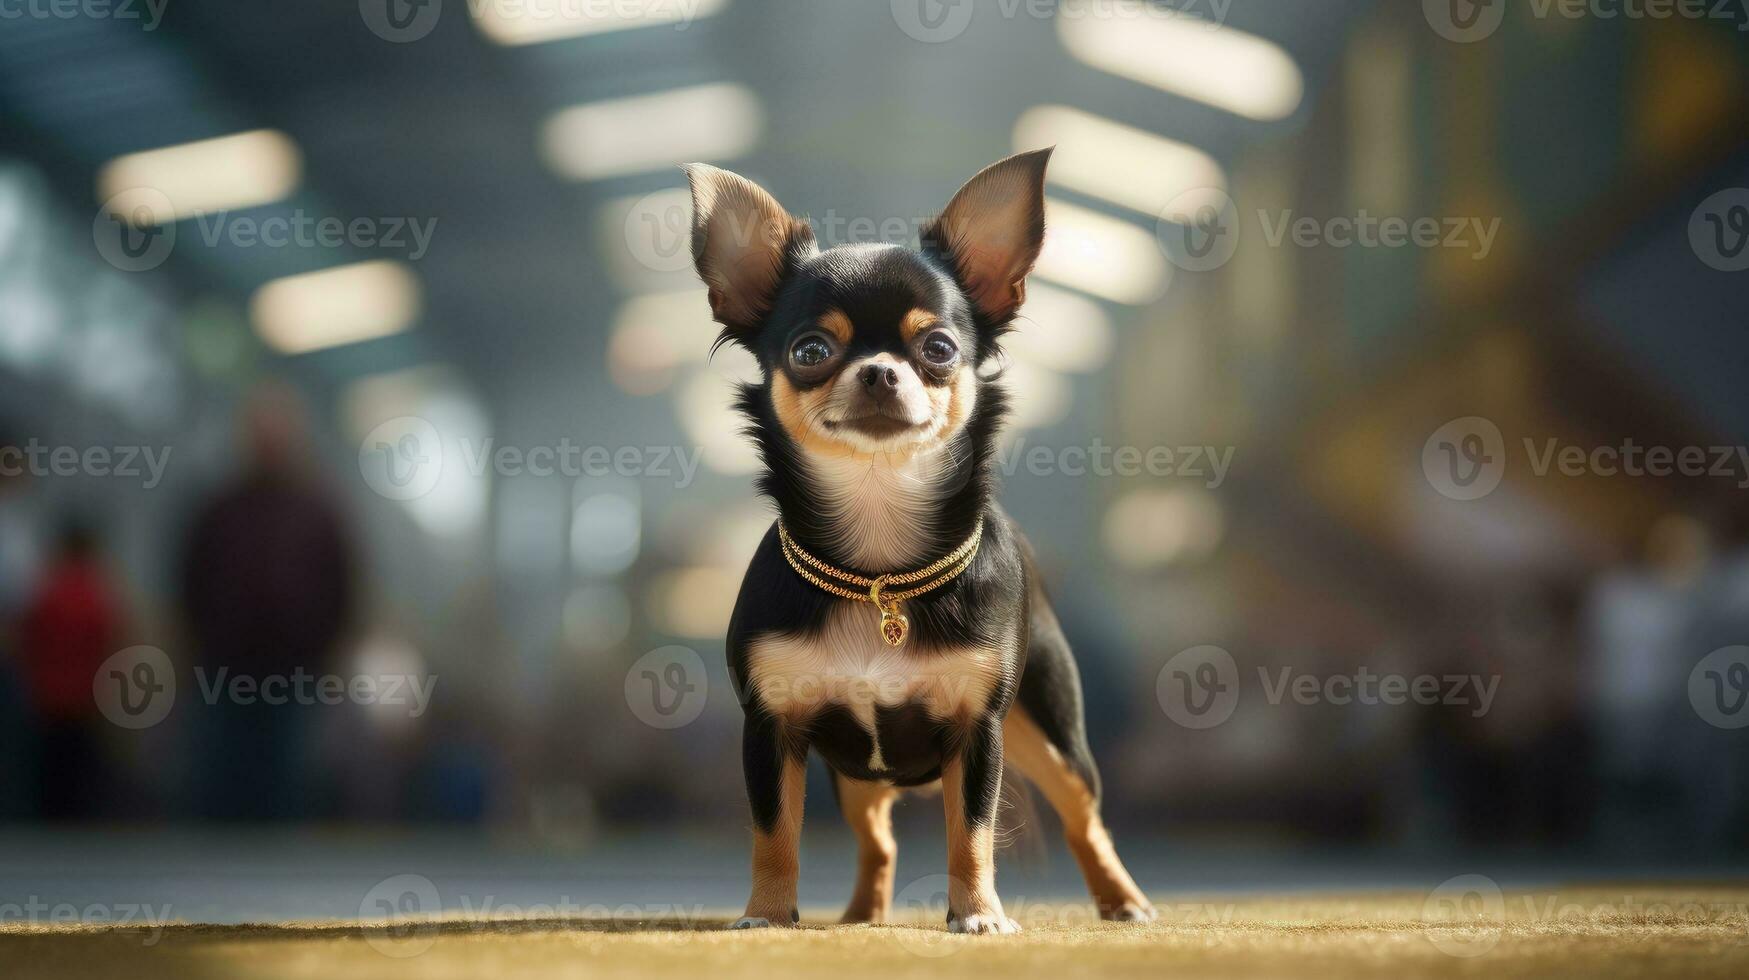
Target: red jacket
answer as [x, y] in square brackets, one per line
[69, 629]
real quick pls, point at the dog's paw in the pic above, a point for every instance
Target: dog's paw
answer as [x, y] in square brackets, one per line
[780, 920]
[983, 925]
[1129, 912]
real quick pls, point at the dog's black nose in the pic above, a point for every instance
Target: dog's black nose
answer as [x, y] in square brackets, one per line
[879, 378]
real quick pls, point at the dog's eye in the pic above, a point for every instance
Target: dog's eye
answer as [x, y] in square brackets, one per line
[810, 351]
[939, 349]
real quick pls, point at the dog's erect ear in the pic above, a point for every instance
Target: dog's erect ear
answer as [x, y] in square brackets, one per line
[992, 231]
[742, 239]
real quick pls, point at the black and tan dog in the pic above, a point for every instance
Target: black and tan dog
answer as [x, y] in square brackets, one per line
[892, 620]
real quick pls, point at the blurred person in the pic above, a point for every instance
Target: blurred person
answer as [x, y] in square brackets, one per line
[70, 626]
[1640, 621]
[267, 591]
[18, 572]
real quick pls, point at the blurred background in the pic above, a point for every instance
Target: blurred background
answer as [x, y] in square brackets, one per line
[365, 476]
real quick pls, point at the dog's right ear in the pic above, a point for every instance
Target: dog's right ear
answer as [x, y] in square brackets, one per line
[742, 243]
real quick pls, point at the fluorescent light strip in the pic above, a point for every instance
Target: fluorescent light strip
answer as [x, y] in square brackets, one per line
[1188, 56]
[1061, 331]
[612, 138]
[517, 22]
[237, 171]
[1101, 255]
[330, 307]
[1118, 163]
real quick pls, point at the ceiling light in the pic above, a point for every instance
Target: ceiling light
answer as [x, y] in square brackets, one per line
[1118, 163]
[512, 22]
[1060, 330]
[1191, 57]
[238, 171]
[1101, 255]
[706, 406]
[651, 132]
[330, 307]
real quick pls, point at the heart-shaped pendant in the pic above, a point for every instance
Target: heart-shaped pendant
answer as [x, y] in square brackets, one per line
[894, 627]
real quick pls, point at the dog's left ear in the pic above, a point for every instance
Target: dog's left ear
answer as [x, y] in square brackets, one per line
[992, 231]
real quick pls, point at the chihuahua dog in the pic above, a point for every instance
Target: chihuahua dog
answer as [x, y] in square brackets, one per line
[892, 620]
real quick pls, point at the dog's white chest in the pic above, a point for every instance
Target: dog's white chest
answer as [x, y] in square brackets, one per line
[847, 665]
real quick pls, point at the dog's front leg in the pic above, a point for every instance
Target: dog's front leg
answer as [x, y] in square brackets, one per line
[970, 783]
[776, 775]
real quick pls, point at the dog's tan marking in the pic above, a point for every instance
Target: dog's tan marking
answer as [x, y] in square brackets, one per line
[794, 410]
[776, 857]
[971, 854]
[847, 664]
[915, 322]
[1025, 746]
[868, 808]
[836, 323]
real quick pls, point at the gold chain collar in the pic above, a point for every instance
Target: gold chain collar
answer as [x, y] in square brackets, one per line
[894, 625]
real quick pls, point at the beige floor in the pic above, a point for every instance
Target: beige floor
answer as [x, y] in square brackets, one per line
[1630, 930]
